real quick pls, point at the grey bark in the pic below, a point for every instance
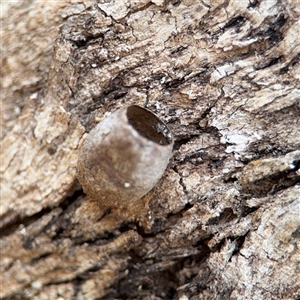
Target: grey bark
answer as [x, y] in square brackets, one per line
[224, 221]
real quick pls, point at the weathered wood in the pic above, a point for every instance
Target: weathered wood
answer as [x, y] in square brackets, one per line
[224, 221]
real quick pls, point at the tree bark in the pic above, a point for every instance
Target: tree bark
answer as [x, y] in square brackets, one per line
[224, 221]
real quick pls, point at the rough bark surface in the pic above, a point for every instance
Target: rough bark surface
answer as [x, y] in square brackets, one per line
[224, 221]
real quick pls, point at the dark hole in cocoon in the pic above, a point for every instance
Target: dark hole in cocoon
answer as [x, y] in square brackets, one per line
[149, 125]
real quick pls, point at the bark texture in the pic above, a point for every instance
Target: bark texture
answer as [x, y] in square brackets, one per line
[224, 221]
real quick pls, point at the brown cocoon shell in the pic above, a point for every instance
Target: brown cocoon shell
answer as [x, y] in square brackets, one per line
[124, 156]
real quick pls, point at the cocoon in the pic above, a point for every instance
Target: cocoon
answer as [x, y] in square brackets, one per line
[124, 156]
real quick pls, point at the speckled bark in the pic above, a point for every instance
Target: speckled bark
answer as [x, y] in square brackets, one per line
[224, 221]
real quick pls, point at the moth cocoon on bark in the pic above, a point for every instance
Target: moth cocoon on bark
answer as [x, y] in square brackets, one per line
[124, 156]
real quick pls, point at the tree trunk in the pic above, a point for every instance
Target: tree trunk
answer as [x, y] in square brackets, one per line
[224, 221]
